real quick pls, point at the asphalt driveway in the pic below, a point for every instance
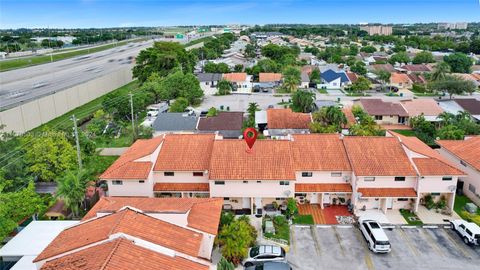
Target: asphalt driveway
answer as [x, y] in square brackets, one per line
[343, 247]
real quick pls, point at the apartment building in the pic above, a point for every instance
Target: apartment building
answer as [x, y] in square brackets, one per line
[377, 29]
[367, 172]
[136, 233]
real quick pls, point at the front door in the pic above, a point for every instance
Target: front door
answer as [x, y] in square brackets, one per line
[314, 198]
[376, 203]
[326, 198]
[389, 203]
[246, 203]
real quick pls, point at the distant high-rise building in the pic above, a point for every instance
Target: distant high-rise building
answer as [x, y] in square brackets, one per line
[377, 29]
[452, 26]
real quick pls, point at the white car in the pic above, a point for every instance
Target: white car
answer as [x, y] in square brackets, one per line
[377, 240]
[469, 231]
[266, 253]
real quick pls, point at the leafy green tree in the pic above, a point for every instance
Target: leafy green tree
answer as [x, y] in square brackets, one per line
[440, 72]
[49, 155]
[162, 58]
[292, 208]
[330, 116]
[384, 77]
[16, 206]
[238, 68]
[423, 58]
[71, 189]
[400, 57]
[264, 65]
[451, 132]
[423, 129]
[453, 86]
[250, 51]
[212, 112]
[223, 264]
[365, 125]
[361, 84]
[359, 68]
[459, 62]
[368, 49]
[178, 84]
[291, 79]
[235, 239]
[211, 67]
[302, 101]
[179, 105]
[353, 49]
[252, 108]
[315, 75]
[224, 87]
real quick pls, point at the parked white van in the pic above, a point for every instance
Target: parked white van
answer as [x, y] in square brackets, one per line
[377, 240]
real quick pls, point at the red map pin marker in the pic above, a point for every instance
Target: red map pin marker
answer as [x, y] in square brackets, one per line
[250, 135]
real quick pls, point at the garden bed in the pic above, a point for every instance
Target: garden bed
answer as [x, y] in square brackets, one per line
[459, 208]
[303, 219]
[282, 228]
[411, 218]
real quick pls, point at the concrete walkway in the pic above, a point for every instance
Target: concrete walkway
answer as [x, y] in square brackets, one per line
[432, 217]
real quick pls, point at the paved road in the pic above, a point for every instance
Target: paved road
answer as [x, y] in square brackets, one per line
[22, 85]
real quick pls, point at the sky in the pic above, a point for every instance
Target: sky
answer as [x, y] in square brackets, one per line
[126, 13]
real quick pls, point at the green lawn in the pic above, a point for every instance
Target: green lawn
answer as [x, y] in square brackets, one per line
[37, 60]
[323, 91]
[196, 41]
[426, 94]
[303, 219]
[458, 207]
[282, 229]
[98, 164]
[123, 141]
[405, 132]
[87, 109]
[407, 215]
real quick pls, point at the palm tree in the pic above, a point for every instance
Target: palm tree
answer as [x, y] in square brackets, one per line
[290, 84]
[446, 118]
[71, 189]
[384, 77]
[336, 116]
[440, 72]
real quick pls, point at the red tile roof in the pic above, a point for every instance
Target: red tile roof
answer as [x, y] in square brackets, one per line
[287, 119]
[185, 152]
[204, 213]
[353, 77]
[400, 78]
[377, 156]
[374, 106]
[387, 192]
[120, 254]
[125, 167]
[417, 68]
[181, 187]
[425, 106]
[269, 160]
[350, 117]
[128, 222]
[235, 77]
[466, 150]
[319, 152]
[323, 187]
[269, 77]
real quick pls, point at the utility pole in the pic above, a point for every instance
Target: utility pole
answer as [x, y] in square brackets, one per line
[131, 111]
[77, 141]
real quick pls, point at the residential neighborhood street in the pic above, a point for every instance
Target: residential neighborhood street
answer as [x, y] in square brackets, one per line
[343, 247]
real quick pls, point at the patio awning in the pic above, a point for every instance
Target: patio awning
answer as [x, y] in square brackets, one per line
[388, 192]
[181, 187]
[323, 188]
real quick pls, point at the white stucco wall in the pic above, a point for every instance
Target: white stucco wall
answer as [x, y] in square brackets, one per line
[180, 177]
[265, 189]
[386, 182]
[323, 177]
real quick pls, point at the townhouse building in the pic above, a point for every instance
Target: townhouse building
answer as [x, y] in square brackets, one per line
[382, 173]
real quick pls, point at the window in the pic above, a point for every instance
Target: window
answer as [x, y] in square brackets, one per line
[401, 120]
[402, 199]
[226, 199]
[435, 193]
[399, 178]
[168, 174]
[471, 188]
[245, 182]
[307, 174]
[284, 183]
[447, 178]
[197, 173]
[336, 174]
[117, 182]
[369, 179]
[463, 163]
[378, 117]
[141, 181]
[259, 182]
[219, 182]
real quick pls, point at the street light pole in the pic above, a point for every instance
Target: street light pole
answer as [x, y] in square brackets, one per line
[77, 142]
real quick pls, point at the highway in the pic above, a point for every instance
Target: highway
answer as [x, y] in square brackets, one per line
[26, 84]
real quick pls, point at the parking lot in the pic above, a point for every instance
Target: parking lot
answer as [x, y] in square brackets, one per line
[343, 247]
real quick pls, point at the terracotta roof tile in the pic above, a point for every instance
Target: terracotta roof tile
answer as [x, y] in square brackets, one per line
[129, 222]
[400, 78]
[433, 166]
[377, 156]
[319, 152]
[428, 107]
[350, 117]
[417, 68]
[120, 254]
[287, 119]
[323, 187]
[185, 152]
[353, 77]
[125, 167]
[269, 160]
[269, 77]
[387, 192]
[466, 150]
[207, 222]
[181, 187]
[235, 77]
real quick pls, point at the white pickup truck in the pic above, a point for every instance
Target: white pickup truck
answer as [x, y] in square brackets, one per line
[469, 231]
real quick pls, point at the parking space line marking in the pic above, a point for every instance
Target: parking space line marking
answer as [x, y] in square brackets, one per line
[460, 247]
[409, 244]
[432, 242]
[315, 240]
[339, 241]
[367, 257]
[369, 262]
